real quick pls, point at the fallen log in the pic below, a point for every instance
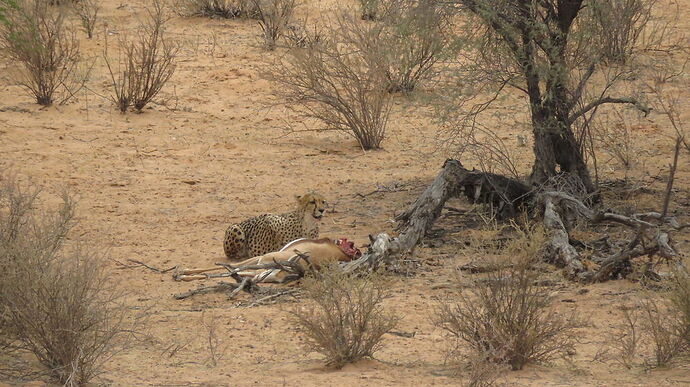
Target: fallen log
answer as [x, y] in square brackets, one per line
[507, 196]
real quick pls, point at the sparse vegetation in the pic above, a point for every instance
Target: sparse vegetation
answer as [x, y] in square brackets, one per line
[146, 64]
[59, 306]
[510, 317]
[413, 37]
[620, 26]
[370, 9]
[337, 85]
[227, 9]
[615, 137]
[507, 316]
[274, 16]
[301, 35]
[664, 332]
[343, 318]
[214, 344]
[626, 341]
[38, 38]
[87, 10]
[667, 322]
[657, 330]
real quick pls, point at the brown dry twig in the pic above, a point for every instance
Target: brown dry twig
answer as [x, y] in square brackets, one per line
[157, 270]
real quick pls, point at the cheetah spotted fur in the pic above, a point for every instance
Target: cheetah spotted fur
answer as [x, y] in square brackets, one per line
[268, 232]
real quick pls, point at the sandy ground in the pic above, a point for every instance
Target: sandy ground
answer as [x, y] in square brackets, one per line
[162, 186]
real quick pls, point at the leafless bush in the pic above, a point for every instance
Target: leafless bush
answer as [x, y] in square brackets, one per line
[370, 9]
[680, 302]
[620, 25]
[344, 319]
[59, 306]
[627, 339]
[274, 16]
[414, 35]
[301, 35]
[615, 137]
[227, 9]
[483, 145]
[507, 317]
[510, 317]
[481, 373]
[667, 322]
[36, 37]
[87, 10]
[660, 326]
[146, 64]
[666, 341]
[666, 101]
[214, 345]
[337, 85]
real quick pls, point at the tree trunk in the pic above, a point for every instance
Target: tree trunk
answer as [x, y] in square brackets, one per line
[556, 151]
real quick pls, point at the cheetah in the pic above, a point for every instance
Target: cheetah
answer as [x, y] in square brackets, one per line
[268, 232]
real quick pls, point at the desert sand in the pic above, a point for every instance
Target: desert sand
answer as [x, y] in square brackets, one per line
[162, 186]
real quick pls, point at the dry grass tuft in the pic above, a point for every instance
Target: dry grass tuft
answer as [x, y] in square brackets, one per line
[343, 319]
[214, 344]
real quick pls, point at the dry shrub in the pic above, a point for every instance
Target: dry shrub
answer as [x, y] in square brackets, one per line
[621, 25]
[666, 323]
[414, 35]
[227, 9]
[60, 306]
[370, 9]
[656, 328]
[146, 64]
[679, 298]
[507, 318]
[664, 332]
[274, 16]
[626, 341]
[336, 84]
[214, 345]
[37, 37]
[481, 373]
[87, 10]
[344, 319]
[510, 317]
[301, 35]
[614, 135]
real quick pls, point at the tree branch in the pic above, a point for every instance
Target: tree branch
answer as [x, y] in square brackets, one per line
[606, 100]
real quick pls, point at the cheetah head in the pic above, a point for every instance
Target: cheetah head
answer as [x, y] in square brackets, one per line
[312, 203]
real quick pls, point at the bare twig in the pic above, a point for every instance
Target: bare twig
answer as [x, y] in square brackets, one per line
[217, 288]
[157, 270]
[671, 177]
